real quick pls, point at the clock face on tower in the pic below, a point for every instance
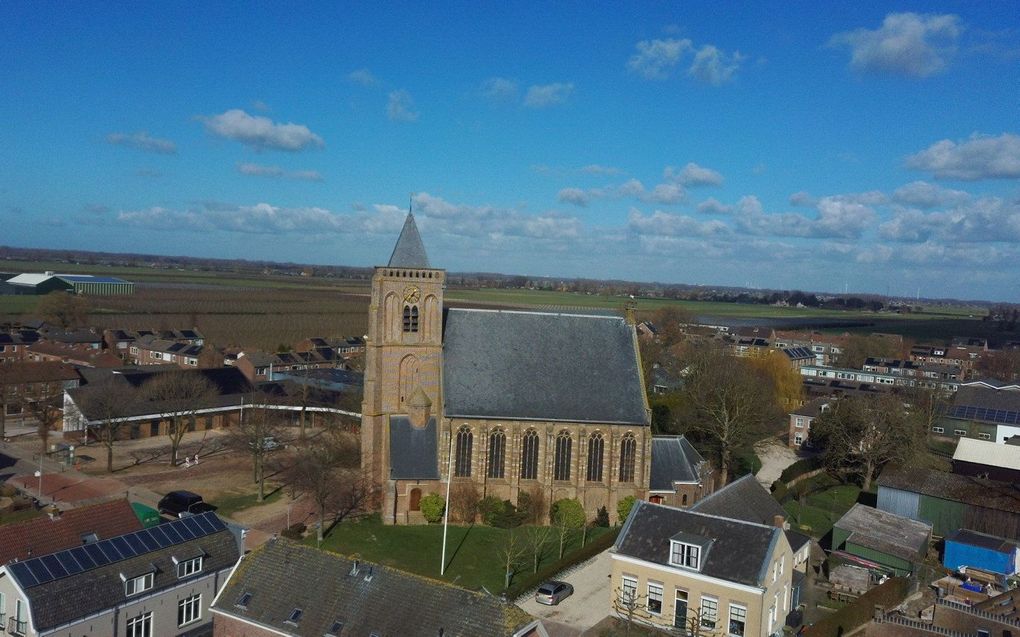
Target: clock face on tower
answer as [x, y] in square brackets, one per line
[411, 294]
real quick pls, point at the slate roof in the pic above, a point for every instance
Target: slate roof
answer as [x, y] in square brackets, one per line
[739, 552]
[378, 600]
[409, 252]
[43, 535]
[413, 451]
[743, 499]
[68, 598]
[977, 492]
[42, 372]
[541, 366]
[886, 532]
[674, 459]
[812, 408]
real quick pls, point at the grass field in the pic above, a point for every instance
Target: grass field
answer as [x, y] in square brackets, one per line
[471, 550]
[819, 510]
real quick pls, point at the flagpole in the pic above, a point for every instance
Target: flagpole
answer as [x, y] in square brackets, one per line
[446, 512]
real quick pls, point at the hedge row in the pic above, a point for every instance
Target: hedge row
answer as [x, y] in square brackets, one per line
[852, 617]
[799, 468]
[532, 580]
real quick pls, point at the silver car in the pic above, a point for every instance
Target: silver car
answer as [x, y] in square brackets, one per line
[553, 592]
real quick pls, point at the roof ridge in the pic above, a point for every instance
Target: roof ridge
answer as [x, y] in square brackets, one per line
[537, 312]
[713, 515]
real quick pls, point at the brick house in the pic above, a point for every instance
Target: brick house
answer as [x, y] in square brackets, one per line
[78, 355]
[153, 350]
[260, 366]
[66, 529]
[680, 476]
[801, 419]
[23, 382]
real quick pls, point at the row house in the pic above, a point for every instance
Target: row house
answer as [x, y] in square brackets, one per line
[260, 366]
[825, 348]
[910, 369]
[77, 355]
[875, 378]
[966, 357]
[121, 339]
[149, 350]
[84, 337]
[345, 345]
[66, 529]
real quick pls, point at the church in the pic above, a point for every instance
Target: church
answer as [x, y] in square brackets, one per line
[510, 402]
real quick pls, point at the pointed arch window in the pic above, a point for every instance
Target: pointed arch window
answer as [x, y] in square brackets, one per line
[497, 454]
[410, 318]
[595, 448]
[462, 463]
[561, 468]
[529, 456]
[628, 451]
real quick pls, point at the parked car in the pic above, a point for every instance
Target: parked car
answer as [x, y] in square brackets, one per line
[181, 504]
[269, 443]
[553, 592]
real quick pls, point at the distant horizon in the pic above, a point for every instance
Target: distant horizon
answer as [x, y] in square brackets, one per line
[771, 145]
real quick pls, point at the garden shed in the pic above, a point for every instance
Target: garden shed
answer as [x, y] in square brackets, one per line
[980, 550]
[893, 542]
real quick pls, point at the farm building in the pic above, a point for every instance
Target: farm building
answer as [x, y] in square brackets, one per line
[987, 459]
[983, 551]
[34, 283]
[892, 542]
[949, 501]
[983, 409]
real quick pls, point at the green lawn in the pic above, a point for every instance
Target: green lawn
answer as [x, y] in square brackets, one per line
[471, 551]
[821, 508]
[230, 503]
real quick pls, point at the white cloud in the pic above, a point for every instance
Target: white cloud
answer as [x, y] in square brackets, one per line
[693, 175]
[259, 170]
[979, 157]
[400, 107]
[655, 59]
[911, 44]
[499, 89]
[665, 224]
[259, 105]
[259, 132]
[492, 222]
[363, 77]
[982, 220]
[802, 198]
[714, 206]
[597, 169]
[545, 95]
[713, 66]
[925, 195]
[142, 141]
[575, 196]
[666, 194]
[836, 219]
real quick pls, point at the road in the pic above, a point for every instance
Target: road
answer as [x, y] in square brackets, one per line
[590, 602]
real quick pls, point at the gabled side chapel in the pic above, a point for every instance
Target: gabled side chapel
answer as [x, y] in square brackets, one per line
[522, 401]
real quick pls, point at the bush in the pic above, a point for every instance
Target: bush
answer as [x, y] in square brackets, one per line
[602, 517]
[488, 507]
[623, 508]
[432, 507]
[799, 468]
[531, 504]
[294, 531]
[8, 490]
[779, 490]
[464, 502]
[501, 514]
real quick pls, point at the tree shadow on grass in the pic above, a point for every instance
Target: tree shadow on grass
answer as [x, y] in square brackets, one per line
[459, 545]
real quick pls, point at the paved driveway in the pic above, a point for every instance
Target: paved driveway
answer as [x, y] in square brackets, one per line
[590, 602]
[774, 456]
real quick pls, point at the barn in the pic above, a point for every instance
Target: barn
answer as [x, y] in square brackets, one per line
[90, 284]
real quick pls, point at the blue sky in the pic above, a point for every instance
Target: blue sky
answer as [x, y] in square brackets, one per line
[822, 146]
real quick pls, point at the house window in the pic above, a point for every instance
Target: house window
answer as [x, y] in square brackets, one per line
[189, 567]
[938, 430]
[242, 601]
[529, 456]
[709, 612]
[19, 625]
[984, 436]
[654, 597]
[798, 439]
[595, 458]
[800, 422]
[334, 630]
[629, 592]
[960, 432]
[497, 453]
[410, 318]
[462, 465]
[189, 610]
[136, 585]
[561, 469]
[140, 626]
[157, 356]
[295, 616]
[685, 555]
[628, 449]
[738, 620]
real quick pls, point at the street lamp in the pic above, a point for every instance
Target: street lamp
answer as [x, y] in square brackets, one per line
[38, 496]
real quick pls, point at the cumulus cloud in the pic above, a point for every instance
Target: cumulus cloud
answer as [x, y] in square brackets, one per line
[693, 175]
[655, 59]
[575, 196]
[979, 157]
[363, 77]
[258, 170]
[713, 206]
[260, 133]
[925, 195]
[836, 219]
[661, 223]
[400, 107]
[499, 89]
[141, 140]
[493, 222]
[981, 220]
[713, 66]
[597, 169]
[546, 95]
[910, 44]
[802, 198]
[665, 193]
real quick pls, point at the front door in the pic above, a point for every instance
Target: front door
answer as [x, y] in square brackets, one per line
[415, 504]
[680, 612]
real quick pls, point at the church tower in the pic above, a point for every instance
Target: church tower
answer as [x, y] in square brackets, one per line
[403, 352]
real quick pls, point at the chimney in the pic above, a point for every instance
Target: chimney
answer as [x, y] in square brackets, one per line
[779, 521]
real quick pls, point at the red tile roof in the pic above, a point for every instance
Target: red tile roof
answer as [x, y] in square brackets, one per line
[43, 535]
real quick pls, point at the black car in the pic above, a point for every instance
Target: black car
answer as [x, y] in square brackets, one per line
[182, 504]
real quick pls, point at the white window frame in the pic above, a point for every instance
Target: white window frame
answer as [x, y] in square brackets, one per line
[938, 430]
[984, 436]
[137, 585]
[798, 439]
[687, 553]
[651, 597]
[709, 620]
[738, 612]
[186, 568]
[959, 432]
[189, 610]
[799, 422]
[628, 589]
[140, 626]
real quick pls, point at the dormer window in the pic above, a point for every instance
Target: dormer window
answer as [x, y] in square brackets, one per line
[295, 616]
[137, 585]
[685, 555]
[242, 601]
[188, 567]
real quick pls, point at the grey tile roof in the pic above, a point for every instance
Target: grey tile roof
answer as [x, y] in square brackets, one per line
[541, 366]
[68, 598]
[743, 499]
[413, 451]
[282, 576]
[674, 459]
[739, 551]
[812, 408]
[409, 251]
[974, 492]
[886, 532]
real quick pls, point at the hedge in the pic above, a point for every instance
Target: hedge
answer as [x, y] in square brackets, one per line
[799, 468]
[532, 580]
[850, 618]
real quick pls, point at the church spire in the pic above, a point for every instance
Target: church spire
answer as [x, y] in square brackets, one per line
[409, 251]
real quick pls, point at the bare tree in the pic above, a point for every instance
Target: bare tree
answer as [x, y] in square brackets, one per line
[104, 402]
[464, 500]
[926, 405]
[254, 434]
[511, 554]
[44, 402]
[63, 309]
[539, 540]
[177, 395]
[324, 472]
[630, 606]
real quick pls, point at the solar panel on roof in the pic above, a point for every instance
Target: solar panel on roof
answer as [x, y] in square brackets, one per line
[39, 570]
[96, 554]
[187, 529]
[205, 522]
[53, 565]
[83, 557]
[145, 537]
[20, 570]
[171, 532]
[122, 546]
[70, 564]
[160, 536]
[135, 544]
[112, 554]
